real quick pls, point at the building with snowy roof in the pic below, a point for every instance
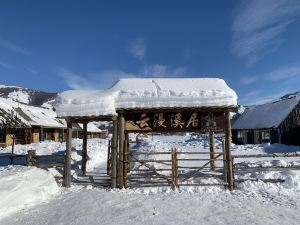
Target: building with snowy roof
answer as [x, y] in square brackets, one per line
[27, 124]
[274, 122]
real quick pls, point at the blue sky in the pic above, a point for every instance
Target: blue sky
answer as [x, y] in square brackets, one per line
[59, 45]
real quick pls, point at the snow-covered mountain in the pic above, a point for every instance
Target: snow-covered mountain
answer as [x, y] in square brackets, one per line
[27, 96]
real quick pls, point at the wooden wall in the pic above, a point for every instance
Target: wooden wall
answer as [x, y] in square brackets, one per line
[254, 136]
[290, 128]
[35, 135]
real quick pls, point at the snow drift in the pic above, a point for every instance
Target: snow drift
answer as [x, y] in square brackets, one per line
[22, 187]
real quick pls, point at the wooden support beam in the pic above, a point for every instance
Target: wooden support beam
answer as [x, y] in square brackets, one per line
[125, 159]
[67, 167]
[121, 149]
[84, 148]
[228, 150]
[114, 149]
[212, 150]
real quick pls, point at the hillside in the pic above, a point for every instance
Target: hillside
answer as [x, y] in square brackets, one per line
[27, 96]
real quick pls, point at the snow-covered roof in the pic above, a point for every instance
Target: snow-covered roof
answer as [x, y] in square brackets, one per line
[269, 115]
[29, 115]
[91, 127]
[134, 93]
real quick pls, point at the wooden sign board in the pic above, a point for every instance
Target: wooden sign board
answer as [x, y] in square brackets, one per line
[174, 122]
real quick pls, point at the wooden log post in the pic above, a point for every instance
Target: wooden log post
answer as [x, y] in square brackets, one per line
[67, 167]
[31, 158]
[121, 149]
[114, 149]
[84, 148]
[212, 150]
[176, 168]
[108, 163]
[228, 150]
[175, 183]
[126, 163]
[224, 162]
[127, 151]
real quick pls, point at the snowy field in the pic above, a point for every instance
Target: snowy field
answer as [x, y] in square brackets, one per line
[31, 195]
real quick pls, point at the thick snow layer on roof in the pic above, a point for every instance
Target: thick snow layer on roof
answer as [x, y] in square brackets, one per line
[30, 115]
[91, 127]
[268, 115]
[147, 93]
[85, 103]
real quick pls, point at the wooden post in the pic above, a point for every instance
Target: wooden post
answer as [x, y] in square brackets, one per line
[224, 162]
[108, 164]
[228, 150]
[212, 150]
[31, 158]
[121, 149]
[125, 162]
[84, 148]
[114, 149]
[176, 168]
[127, 151]
[67, 167]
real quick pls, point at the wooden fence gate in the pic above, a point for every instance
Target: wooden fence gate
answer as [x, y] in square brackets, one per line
[174, 169]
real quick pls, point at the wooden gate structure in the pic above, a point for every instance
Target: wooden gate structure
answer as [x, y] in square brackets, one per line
[172, 173]
[200, 105]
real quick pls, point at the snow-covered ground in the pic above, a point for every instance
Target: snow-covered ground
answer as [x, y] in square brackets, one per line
[251, 203]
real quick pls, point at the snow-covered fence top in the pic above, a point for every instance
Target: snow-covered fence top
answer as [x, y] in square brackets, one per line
[134, 93]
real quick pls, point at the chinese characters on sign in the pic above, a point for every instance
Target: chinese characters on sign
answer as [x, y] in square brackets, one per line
[178, 121]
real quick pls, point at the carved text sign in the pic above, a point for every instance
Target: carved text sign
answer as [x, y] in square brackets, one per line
[174, 121]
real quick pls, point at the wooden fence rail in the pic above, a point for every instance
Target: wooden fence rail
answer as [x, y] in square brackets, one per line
[246, 169]
[32, 159]
[171, 172]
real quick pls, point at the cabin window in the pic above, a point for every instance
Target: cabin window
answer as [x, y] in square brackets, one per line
[2, 136]
[44, 135]
[265, 136]
[240, 135]
[60, 135]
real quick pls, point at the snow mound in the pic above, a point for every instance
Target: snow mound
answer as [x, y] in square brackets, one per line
[22, 187]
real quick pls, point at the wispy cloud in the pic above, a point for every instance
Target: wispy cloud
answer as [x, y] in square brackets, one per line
[32, 71]
[91, 81]
[282, 73]
[258, 25]
[137, 48]
[6, 65]
[106, 78]
[158, 70]
[260, 98]
[74, 81]
[253, 93]
[13, 47]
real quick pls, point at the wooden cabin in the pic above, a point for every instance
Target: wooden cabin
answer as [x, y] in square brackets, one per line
[27, 124]
[273, 122]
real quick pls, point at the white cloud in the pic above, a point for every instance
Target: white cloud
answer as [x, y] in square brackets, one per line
[75, 81]
[106, 78]
[32, 71]
[258, 25]
[6, 65]
[258, 99]
[137, 48]
[158, 70]
[253, 93]
[282, 73]
[13, 47]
